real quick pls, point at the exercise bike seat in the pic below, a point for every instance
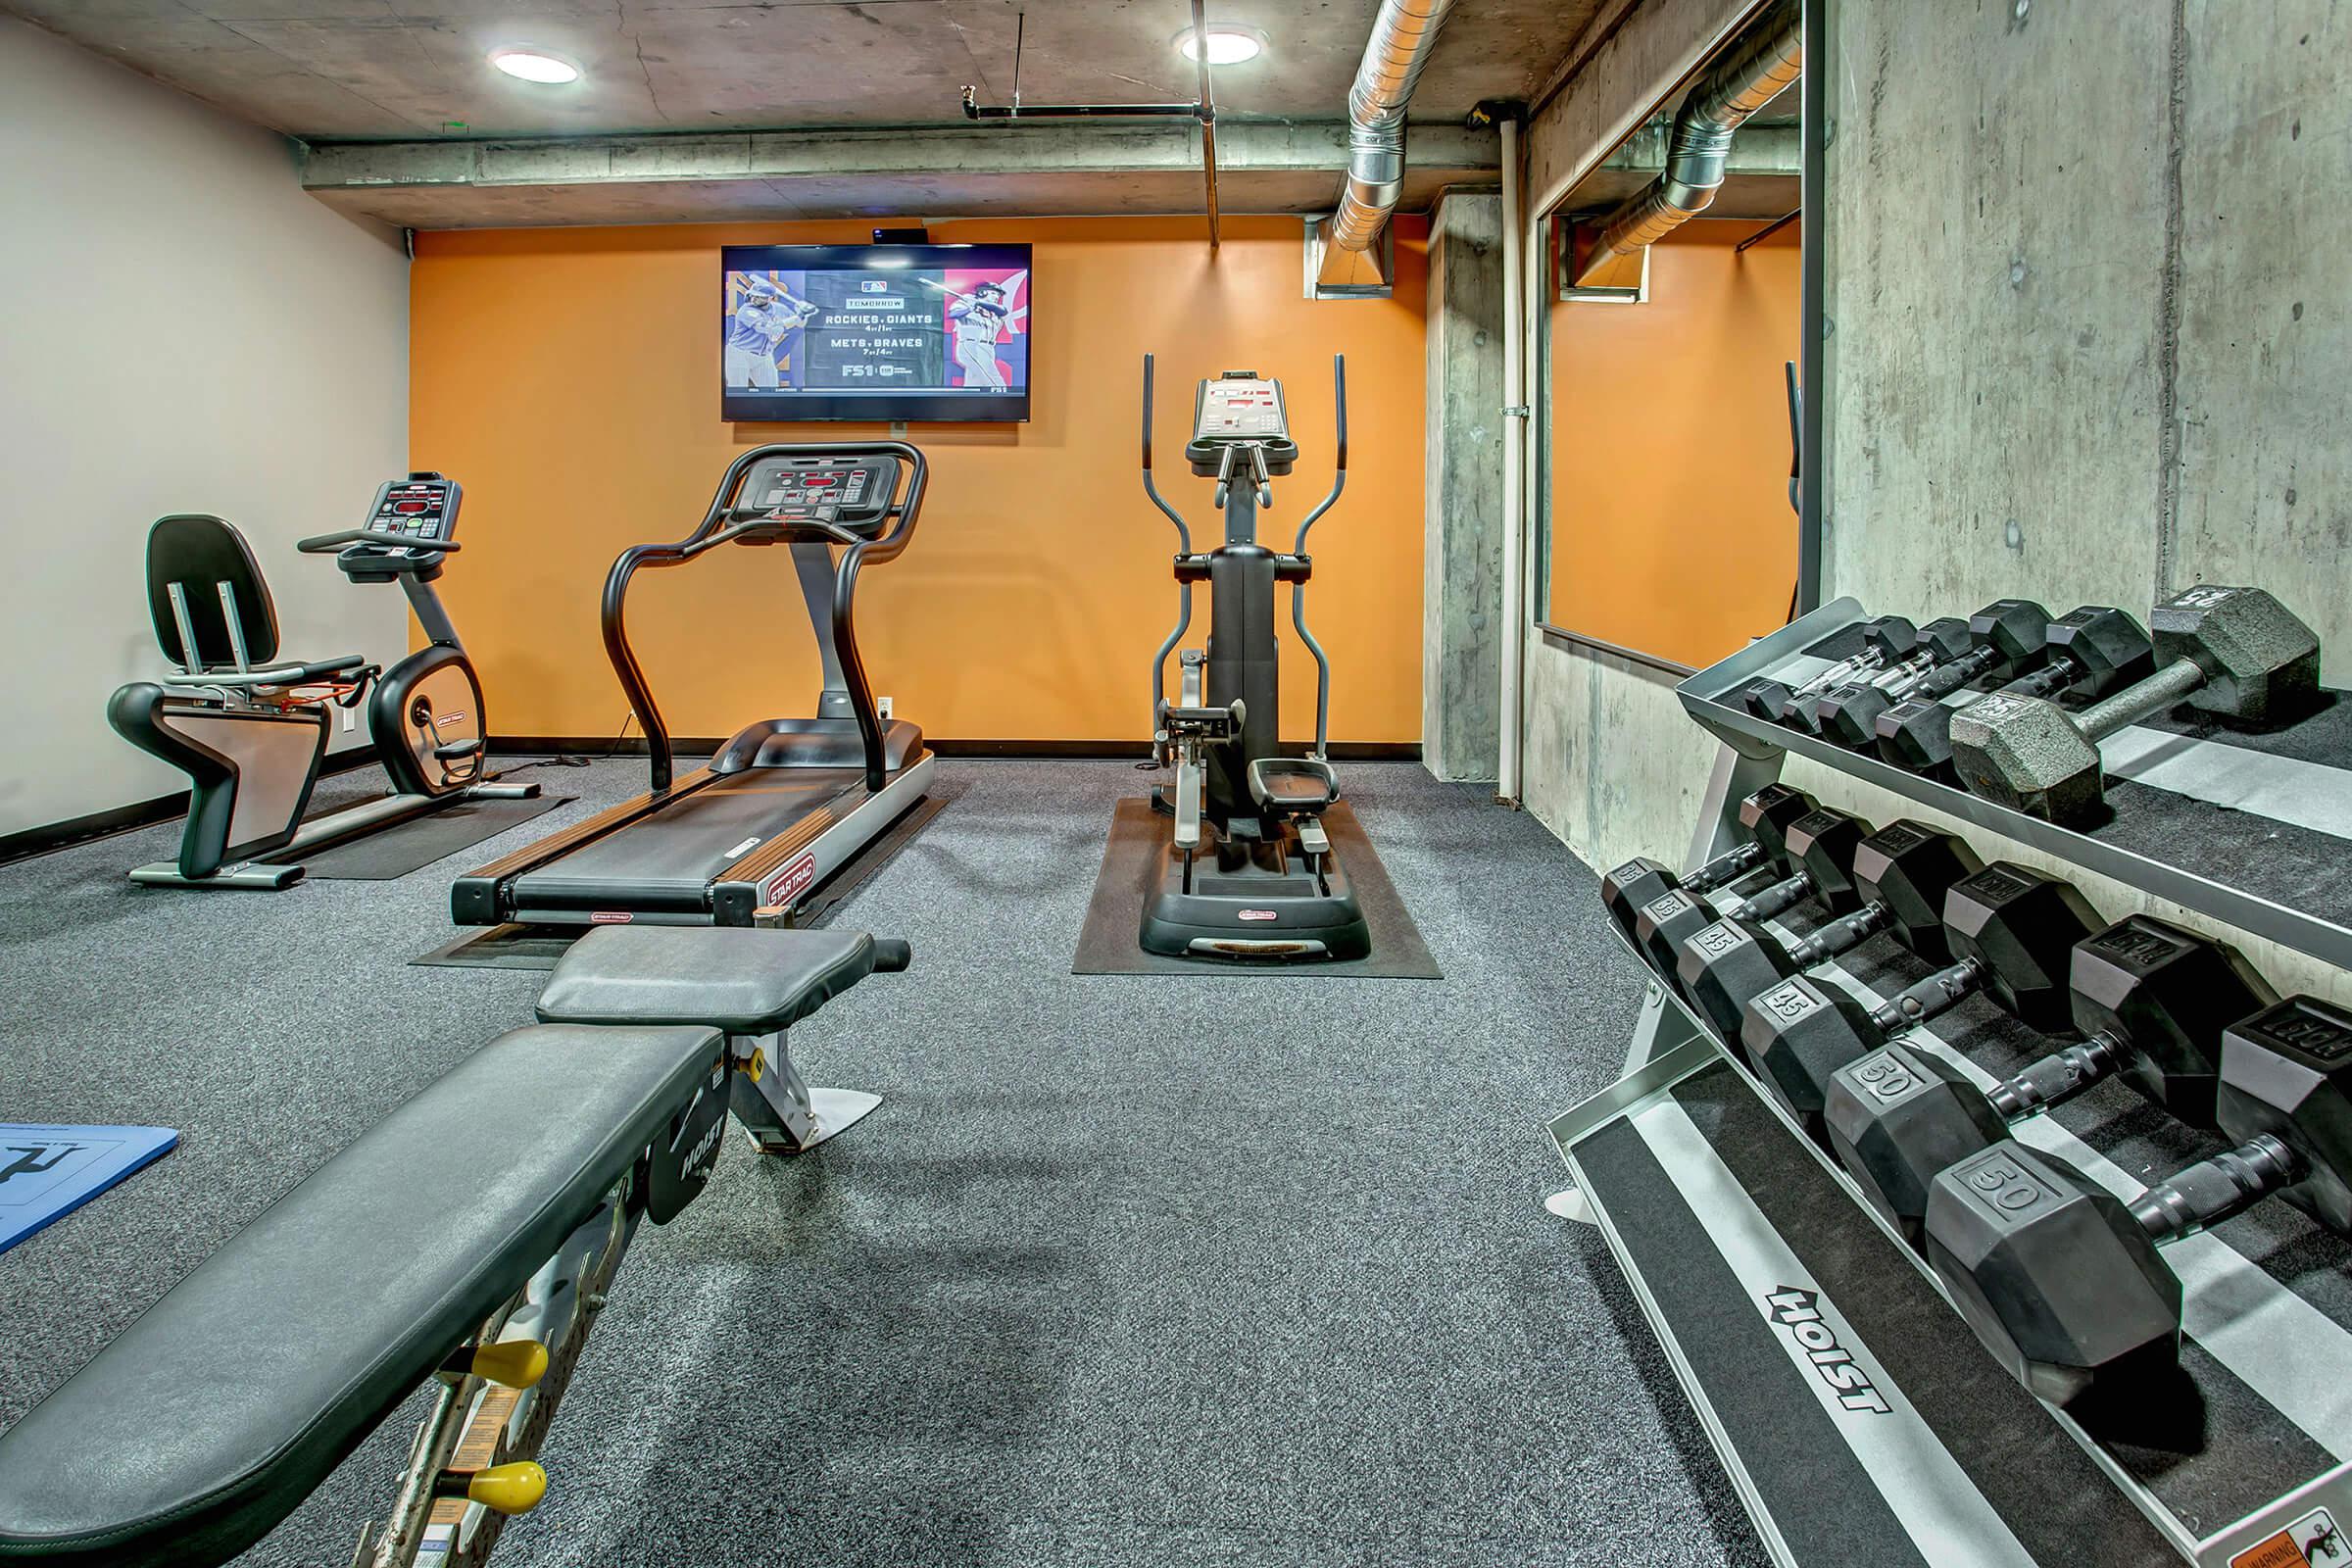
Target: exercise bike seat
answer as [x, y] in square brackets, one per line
[208, 1420]
[744, 980]
[1292, 786]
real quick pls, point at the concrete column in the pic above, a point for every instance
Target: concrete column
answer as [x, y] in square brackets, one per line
[1462, 530]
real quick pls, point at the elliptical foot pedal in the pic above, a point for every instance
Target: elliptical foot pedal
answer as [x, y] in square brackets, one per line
[1292, 786]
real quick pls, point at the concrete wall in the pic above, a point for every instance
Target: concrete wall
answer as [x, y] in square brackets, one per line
[2089, 322]
[187, 333]
[1461, 648]
[2087, 269]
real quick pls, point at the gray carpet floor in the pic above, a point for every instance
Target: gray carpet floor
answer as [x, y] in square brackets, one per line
[1234, 1269]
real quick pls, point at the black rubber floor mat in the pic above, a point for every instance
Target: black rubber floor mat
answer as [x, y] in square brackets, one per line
[420, 841]
[1107, 944]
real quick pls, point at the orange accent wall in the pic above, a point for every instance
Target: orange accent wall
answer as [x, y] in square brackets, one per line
[1671, 528]
[569, 380]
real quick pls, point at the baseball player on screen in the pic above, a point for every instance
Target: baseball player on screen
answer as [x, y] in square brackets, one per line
[769, 322]
[977, 320]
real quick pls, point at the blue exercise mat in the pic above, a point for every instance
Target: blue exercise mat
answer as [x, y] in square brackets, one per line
[48, 1172]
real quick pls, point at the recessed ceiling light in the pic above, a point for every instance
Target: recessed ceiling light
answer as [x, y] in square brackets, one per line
[1226, 46]
[532, 66]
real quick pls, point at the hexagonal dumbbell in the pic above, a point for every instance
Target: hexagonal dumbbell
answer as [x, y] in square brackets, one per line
[1939, 642]
[2062, 1279]
[2090, 651]
[2014, 929]
[2003, 639]
[2151, 1000]
[1821, 848]
[1884, 639]
[1901, 873]
[2237, 652]
[1764, 817]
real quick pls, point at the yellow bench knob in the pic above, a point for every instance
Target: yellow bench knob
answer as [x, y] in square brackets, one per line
[515, 1363]
[510, 1489]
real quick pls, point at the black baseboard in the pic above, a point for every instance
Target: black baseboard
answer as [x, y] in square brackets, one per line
[1034, 750]
[32, 841]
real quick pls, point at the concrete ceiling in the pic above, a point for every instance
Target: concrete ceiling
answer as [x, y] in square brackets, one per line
[342, 70]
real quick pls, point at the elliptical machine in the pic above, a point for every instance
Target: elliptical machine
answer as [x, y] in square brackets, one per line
[1248, 872]
[251, 730]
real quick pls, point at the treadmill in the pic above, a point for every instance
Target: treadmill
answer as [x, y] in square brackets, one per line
[786, 802]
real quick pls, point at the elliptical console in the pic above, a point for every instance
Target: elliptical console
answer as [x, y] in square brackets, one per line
[1247, 873]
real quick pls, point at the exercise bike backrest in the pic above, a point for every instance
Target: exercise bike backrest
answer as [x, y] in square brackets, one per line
[205, 594]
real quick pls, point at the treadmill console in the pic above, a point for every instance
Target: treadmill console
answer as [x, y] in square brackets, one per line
[1239, 409]
[853, 493]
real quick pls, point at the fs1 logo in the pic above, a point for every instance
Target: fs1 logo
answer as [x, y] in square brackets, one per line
[1800, 1313]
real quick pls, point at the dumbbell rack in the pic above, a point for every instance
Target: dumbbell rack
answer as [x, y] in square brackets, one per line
[1857, 1417]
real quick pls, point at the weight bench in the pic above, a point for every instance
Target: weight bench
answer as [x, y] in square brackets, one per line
[469, 1237]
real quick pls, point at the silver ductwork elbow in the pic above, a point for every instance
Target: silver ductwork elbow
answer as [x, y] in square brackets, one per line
[1757, 71]
[1403, 34]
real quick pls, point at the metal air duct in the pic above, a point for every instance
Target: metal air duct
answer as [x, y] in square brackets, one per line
[1752, 75]
[1402, 35]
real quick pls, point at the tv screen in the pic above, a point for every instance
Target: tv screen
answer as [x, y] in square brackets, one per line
[875, 332]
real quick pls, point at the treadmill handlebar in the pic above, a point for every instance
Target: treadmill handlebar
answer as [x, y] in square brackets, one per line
[714, 530]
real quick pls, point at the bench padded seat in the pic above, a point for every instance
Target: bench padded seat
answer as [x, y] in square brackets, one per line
[745, 980]
[210, 1419]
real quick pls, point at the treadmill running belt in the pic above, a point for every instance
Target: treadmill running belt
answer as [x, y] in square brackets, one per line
[666, 861]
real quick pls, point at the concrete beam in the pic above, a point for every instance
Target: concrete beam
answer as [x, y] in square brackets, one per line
[1120, 167]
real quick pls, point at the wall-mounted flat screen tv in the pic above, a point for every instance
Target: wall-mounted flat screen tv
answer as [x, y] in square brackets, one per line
[875, 332]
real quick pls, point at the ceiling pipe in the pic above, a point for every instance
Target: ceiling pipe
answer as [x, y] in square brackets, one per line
[1752, 75]
[1403, 34]
[1208, 118]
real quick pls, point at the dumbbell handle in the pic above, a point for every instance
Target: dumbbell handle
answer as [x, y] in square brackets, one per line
[2212, 1189]
[2060, 1076]
[1959, 672]
[1939, 992]
[2133, 704]
[1846, 931]
[1785, 894]
[1855, 664]
[1729, 866]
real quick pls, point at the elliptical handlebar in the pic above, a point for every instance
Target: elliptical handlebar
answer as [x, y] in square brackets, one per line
[1339, 472]
[1184, 534]
[1184, 590]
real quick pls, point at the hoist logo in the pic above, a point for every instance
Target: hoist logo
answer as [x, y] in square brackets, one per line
[1800, 1313]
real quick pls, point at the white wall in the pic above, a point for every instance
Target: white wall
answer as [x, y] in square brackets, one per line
[181, 329]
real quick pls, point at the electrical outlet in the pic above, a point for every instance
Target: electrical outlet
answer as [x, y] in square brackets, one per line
[351, 718]
[882, 707]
